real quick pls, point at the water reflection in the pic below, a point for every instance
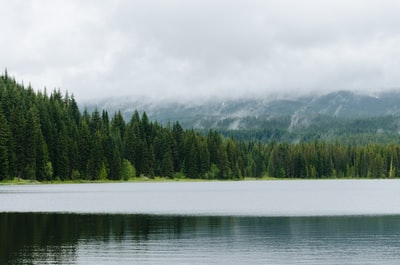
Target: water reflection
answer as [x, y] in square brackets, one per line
[37, 238]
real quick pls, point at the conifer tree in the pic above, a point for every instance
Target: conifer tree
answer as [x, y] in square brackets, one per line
[32, 131]
[42, 159]
[177, 152]
[17, 152]
[62, 159]
[4, 143]
[204, 158]
[84, 150]
[223, 164]
[115, 165]
[167, 167]
[132, 144]
[148, 161]
[96, 164]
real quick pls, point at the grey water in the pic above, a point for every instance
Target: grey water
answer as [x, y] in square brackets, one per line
[247, 222]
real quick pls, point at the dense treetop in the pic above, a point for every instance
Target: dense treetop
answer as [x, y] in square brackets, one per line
[46, 137]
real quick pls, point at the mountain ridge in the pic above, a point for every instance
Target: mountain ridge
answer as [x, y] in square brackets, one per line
[231, 113]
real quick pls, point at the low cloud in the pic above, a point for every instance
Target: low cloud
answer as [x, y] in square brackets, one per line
[179, 49]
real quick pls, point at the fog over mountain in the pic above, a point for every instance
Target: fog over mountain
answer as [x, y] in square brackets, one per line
[250, 113]
[202, 49]
[277, 65]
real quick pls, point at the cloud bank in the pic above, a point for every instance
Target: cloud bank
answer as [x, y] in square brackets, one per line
[179, 49]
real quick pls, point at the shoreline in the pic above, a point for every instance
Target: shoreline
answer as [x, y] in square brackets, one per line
[18, 181]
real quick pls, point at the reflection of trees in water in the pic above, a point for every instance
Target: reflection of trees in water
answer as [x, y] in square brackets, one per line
[29, 236]
[32, 236]
[37, 236]
[52, 236]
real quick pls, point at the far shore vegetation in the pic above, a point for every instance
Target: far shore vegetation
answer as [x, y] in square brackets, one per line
[144, 179]
[19, 181]
[46, 138]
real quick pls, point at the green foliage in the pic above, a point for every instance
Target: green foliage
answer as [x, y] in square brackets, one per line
[128, 171]
[46, 138]
[214, 172]
[76, 175]
[349, 131]
[167, 167]
[103, 172]
[4, 145]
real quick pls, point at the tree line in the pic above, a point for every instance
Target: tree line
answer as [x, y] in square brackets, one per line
[46, 137]
[349, 131]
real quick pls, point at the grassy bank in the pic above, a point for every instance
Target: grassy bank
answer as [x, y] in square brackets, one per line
[19, 181]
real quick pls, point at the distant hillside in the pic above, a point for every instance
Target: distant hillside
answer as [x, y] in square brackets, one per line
[213, 113]
[328, 116]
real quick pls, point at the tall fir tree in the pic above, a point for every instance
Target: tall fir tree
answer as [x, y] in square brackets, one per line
[167, 167]
[32, 131]
[4, 143]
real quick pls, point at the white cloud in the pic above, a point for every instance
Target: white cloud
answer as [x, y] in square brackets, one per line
[181, 49]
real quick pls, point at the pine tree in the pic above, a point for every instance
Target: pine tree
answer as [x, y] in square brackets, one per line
[128, 171]
[42, 159]
[191, 163]
[167, 167]
[84, 151]
[177, 149]
[223, 164]
[4, 142]
[145, 127]
[17, 148]
[191, 156]
[96, 163]
[214, 142]
[132, 144]
[204, 158]
[148, 161]
[32, 131]
[62, 159]
[116, 165]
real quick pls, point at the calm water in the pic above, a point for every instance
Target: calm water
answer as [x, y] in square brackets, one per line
[272, 222]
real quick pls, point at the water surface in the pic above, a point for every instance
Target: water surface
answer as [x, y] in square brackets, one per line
[37, 238]
[244, 198]
[246, 222]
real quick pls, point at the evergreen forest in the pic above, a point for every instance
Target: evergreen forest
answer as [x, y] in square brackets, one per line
[46, 137]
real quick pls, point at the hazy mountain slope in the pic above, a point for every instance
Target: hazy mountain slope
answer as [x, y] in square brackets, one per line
[251, 113]
[345, 116]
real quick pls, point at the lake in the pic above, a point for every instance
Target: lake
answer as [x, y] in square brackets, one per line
[245, 222]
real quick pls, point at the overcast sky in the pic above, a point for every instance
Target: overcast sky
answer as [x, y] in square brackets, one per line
[207, 48]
